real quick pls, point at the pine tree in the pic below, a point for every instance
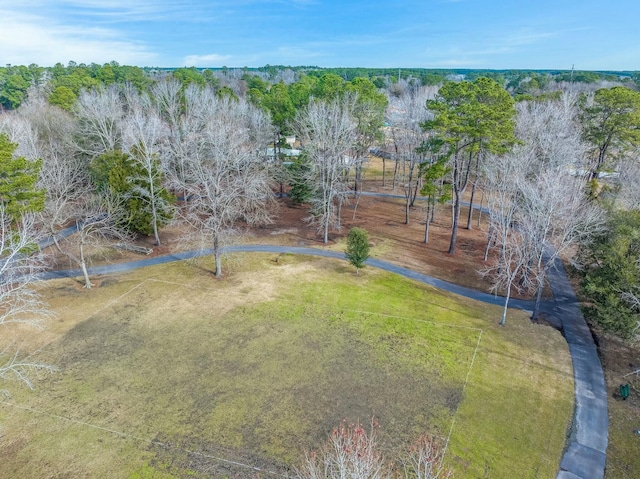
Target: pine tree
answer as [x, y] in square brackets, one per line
[357, 247]
[18, 178]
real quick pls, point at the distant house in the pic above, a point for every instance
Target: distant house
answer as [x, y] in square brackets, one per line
[286, 152]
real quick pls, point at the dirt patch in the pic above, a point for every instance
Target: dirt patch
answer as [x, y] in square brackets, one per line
[204, 459]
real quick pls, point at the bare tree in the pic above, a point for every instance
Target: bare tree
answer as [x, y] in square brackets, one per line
[99, 220]
[327, 131]
[19, 303]
[539, 207]
[20, 131]
[554, 216]
[349, 453]
[187, 114]
[555, 213]
[352, 452]
[228, 181]
[99, 114]
[406, 115]
[509, 266]
[424, 460]
[143, 134]
[503, 197]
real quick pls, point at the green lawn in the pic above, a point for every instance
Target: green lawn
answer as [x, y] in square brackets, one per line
[167, 372]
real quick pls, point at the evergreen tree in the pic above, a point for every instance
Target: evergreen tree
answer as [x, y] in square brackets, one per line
[611, 279]
[118, 173]
[471, 118]
[611, 124]
[18, 178]
[357, 247]
[299, 172]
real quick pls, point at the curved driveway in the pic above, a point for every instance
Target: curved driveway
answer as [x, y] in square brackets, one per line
[438, 283]
[585, 455]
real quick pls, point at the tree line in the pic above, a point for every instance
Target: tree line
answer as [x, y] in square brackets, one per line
[65, 82]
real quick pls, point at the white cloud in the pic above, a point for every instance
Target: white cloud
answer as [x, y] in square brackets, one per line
[28, 39]
[210, 60]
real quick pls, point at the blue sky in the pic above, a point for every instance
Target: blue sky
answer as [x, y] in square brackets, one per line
[500, 34]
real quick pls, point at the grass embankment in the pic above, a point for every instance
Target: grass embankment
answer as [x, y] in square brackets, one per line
[620, 360]
[165, 371]
[623, 461]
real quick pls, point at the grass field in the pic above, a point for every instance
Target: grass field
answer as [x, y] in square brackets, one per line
[166, 372]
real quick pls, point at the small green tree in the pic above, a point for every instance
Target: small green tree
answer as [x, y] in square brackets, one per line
[357, 247]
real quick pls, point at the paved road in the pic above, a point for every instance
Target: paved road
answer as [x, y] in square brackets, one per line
[438, 283]
[585, 455]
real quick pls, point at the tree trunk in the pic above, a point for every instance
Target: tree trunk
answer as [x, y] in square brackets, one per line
[277, 157]
[216, 255]
[473, 192]
[470, 216]
[489, 238]
[506, 305]
[327, 220]
[395, 176]
[155, 232]
[454, 228]
[456, 214]
[384, 170]
[357, 184]
[406, 212]
[83, 267]
[601, 154]
[154, 207]
[536, 306]
[541, 276]
[427, 221]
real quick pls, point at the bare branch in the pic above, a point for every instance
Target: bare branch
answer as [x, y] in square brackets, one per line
[327, 131]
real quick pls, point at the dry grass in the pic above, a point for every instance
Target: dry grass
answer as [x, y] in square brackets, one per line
[165, 369]
[619, 359]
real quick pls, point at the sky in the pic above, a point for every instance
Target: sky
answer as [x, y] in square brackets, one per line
[493, 34]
